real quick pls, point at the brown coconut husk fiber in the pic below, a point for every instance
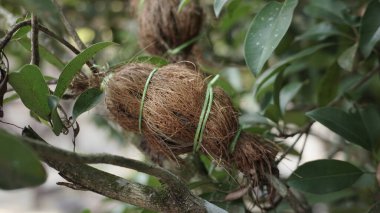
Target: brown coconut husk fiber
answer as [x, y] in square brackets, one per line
[171, 113]
[162, 27]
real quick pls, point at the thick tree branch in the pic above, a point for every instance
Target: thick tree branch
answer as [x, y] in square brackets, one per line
[173, 197]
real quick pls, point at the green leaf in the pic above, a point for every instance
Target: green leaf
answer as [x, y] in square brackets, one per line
[370, 28]
[370, 117]
[30, 85]
[287, 94]
[74, 66]
[347, 125]
[56, 122]
[331, 10]
[218, 6]
[324, 176]
[320, 32]
[19, 166]
[279, 67]
[182, 4]
[21, 32]
[266, 31]
[328, 87]
[347, 58]
[45, 53]
[86, 101]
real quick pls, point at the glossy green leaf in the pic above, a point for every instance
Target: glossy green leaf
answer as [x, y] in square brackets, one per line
[266, 31]
[21, 32]
[370, 116]
[19, 166]
[324, 176]
[279, 67]
[86, 101]
[44, 53]
[331, 10]
[320, 32]
[370, 28]
[287, 94]
[328, 87]
[56, 122]
[347, 58]
[218, 6]
[74, 66]
[30, 85]
[347, 125]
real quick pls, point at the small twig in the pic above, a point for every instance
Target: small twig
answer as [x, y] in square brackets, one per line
[303, 130]
[73, 33]
[297, 204]
[8, 36]
[364, 79]
[59, 39]
[303, 148]
[70, 29]
[35, 58]
[11, 124]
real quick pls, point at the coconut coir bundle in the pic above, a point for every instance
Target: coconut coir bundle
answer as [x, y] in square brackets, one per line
[162, 27]
[171, 113]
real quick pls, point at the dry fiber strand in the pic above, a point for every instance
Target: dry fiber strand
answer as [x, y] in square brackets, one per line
[172, 108]
[162, 27]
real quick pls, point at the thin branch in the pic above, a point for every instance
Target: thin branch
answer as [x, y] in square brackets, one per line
[70, 29]
[8, 36]
[73, 33]
[35, 58]
[59, 39]
[298, 204]
[71, 166]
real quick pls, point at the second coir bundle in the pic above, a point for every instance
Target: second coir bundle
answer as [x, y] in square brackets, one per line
[163, 27]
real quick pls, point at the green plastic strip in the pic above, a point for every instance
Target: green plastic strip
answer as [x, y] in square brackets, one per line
[143, 97]
[204, 114]
[236, 138]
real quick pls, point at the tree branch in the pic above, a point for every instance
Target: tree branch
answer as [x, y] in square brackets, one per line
[70, 29]
[8, 36]
[173, 197]
[72, 32]
[35, 58]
